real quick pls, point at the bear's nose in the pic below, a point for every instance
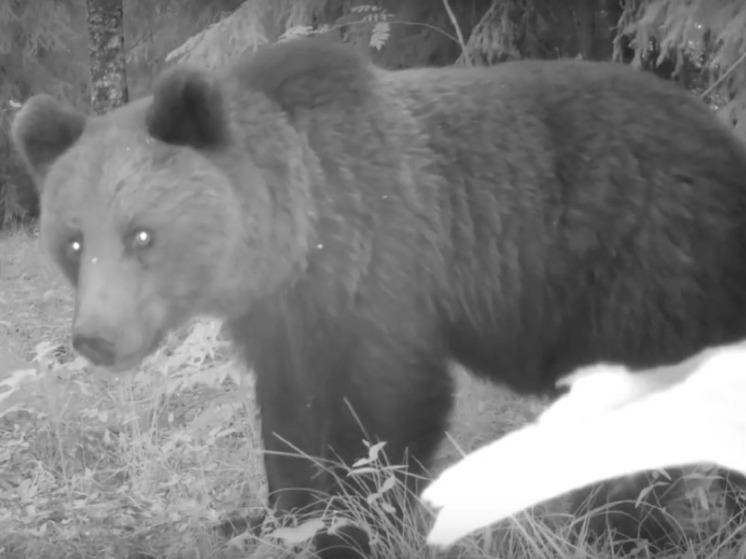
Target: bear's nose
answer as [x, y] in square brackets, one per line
[97, 350]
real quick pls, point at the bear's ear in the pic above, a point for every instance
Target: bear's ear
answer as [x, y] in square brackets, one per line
[188, 109]
[42, 130]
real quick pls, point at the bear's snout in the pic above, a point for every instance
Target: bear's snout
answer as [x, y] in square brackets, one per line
[112, 326]
[98, 350]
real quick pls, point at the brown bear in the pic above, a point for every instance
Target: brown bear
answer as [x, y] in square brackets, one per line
[359, 229]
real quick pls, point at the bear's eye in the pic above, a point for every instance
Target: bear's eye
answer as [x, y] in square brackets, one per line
[74, 249]
[140, 239]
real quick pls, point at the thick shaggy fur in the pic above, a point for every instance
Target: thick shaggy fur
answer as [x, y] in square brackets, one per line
[357, 229]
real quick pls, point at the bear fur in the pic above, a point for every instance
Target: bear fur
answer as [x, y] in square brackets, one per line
[358, 230]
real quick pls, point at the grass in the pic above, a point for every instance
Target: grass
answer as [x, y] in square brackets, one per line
[146, 464]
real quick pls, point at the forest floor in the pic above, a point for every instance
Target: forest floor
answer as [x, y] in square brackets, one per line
[146, 464]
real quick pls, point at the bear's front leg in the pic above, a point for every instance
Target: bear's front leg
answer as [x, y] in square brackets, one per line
[295, 432]
[326, 384]
[301, 357]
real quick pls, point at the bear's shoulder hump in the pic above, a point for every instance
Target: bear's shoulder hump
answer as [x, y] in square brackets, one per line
[309, 74]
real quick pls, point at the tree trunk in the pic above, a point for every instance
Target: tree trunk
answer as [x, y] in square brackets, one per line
[106, 40]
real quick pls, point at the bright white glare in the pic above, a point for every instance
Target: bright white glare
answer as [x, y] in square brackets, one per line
[611, 423]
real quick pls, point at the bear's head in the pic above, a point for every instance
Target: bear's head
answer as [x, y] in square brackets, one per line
[156, 212]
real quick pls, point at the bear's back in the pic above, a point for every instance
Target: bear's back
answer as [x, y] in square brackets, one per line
[582, 200]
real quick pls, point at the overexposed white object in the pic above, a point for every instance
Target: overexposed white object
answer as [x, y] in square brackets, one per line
[611, 423]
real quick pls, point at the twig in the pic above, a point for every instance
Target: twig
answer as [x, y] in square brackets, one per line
[457, 27]
[725, 75]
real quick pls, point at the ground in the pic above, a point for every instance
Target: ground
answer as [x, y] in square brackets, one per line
[142, 465]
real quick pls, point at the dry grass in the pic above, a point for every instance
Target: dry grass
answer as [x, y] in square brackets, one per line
[146, 464]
